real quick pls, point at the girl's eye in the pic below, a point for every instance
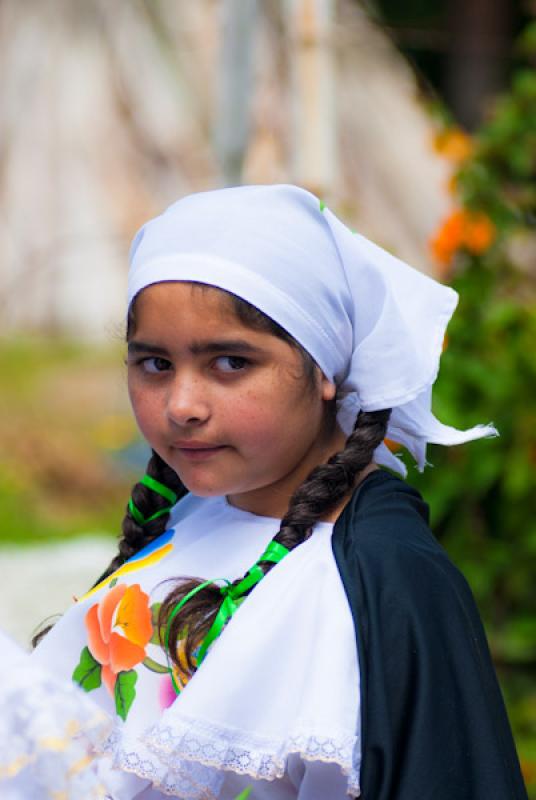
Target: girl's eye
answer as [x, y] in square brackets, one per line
[155, 365]
[231, 363]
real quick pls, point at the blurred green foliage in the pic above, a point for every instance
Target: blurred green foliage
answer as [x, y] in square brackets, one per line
[483, 494]
[63, 416]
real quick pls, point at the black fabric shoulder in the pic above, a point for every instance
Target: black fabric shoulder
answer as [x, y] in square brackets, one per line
[433, 720]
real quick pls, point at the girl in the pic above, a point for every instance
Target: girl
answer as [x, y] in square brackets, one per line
[279, 615]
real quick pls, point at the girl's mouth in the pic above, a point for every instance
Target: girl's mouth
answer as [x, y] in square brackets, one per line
[199, 453]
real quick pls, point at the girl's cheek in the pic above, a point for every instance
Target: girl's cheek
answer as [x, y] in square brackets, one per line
[133, 390]
[144, 409]
[261, 428]
[141, 395]
[136, 401]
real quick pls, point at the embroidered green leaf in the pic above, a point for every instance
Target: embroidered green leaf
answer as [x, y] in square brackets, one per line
[155, 610]
[154, 666]
[112, 583]
[88, 672]
[155, 638]
[322, 207]
[125, 692]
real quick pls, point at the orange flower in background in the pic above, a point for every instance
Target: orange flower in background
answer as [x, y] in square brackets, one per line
[454, 144]
[471, 230]
[119, 628]
[479, 234]
[448, 240]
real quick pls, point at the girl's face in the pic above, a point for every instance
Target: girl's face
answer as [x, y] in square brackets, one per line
[227, 407]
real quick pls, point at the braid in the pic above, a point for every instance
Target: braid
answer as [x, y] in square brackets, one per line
[136, 536]
[329, 483]
[321, 492]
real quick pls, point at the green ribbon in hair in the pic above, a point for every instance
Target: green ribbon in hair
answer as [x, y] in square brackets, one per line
[164, 491]
[232, 597]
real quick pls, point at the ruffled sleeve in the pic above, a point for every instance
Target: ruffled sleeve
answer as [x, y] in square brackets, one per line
[49, 731]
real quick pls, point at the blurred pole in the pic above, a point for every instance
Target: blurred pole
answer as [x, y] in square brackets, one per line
[314, 160]
[480, 35]
[235, 87]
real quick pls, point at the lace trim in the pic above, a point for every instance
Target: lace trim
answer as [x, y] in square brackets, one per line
[189, 760]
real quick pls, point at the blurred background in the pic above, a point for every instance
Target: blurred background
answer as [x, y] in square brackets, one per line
[414, 121]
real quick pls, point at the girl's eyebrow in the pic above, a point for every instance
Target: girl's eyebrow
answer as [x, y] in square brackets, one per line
[146, 347]
[198, 347]
[223, 346]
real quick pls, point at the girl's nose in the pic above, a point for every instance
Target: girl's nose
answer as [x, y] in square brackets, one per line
[187, 402]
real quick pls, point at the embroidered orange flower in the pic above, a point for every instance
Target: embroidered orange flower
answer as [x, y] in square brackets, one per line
[119, 628]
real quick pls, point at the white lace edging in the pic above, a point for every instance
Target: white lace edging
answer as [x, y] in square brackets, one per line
[189, 760]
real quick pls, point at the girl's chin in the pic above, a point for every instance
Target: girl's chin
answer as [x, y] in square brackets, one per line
[204, 488]
[222, 488]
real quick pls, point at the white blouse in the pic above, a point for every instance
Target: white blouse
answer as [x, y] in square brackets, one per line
[274, 705]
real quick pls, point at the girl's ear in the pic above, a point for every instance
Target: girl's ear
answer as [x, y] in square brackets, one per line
[328, 388]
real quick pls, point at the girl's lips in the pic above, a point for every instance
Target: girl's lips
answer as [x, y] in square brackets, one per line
[199, 453]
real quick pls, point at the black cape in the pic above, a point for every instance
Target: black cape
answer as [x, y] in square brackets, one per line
[434, 726]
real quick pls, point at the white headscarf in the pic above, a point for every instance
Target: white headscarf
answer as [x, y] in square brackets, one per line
[374, 325]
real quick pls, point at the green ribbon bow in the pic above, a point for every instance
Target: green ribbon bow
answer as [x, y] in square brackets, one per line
[232, 597]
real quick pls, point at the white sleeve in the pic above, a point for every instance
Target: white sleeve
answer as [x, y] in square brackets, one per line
[48, 729]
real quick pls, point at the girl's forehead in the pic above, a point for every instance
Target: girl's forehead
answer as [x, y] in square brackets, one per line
[185, 294]
[171, 301]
